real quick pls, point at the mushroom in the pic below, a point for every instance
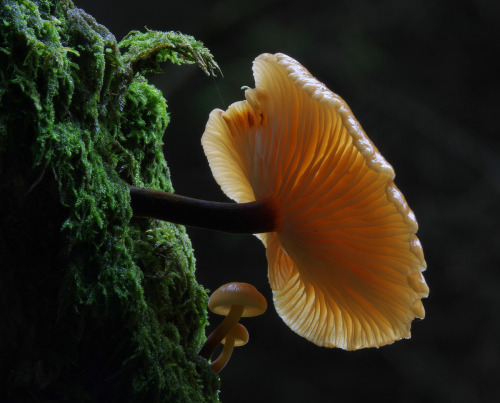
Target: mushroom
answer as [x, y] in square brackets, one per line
[237, 336]
[233, 300]
[344, 263]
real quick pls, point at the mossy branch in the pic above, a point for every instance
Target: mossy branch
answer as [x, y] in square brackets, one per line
[144, 51]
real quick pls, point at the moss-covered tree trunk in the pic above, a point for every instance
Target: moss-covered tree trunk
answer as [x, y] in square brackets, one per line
[95, 305]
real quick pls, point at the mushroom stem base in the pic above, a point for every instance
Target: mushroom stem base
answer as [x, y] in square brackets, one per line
[224, 356]
[221, 331]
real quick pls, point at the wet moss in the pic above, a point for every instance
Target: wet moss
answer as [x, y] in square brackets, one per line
[97, 305]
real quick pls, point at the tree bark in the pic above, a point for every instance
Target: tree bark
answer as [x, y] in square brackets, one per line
[96, 305]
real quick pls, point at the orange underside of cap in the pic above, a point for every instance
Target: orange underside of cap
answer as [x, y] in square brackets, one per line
[345, 267]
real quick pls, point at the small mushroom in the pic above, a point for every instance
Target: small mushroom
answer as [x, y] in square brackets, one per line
[237, 336]
[234, 300]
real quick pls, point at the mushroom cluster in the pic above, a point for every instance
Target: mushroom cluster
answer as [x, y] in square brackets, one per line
[234, 301]
[344, 263]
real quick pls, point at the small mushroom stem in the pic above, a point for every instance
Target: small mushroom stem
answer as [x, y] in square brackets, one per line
[221, 331]
[224, 356]
[242, 218]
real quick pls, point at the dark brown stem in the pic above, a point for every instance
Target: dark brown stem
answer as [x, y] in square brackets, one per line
[242, 218]
[221, 331]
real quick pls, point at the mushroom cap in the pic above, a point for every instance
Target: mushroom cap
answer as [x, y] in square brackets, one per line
[245, 294]
[345, 265]
[240, 335]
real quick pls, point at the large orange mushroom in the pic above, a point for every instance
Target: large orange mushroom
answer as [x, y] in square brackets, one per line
[344, 263]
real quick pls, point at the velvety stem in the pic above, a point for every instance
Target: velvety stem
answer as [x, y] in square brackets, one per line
[224, 356]
[221, 331]
[243, 218]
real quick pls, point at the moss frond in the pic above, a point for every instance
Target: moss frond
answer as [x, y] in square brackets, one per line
[144, 51]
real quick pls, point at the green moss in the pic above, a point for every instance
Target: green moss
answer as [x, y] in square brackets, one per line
[98, 305]
[145, 51]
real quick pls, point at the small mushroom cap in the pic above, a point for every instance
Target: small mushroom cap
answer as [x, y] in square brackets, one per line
[245, 294]
[240, 335]
[345, 265]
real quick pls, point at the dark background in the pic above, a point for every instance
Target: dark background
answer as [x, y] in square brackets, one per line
[421, 77]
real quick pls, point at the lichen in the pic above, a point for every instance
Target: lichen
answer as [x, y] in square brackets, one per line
[97, 305]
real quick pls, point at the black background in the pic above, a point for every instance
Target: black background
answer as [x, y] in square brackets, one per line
[422, 78]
